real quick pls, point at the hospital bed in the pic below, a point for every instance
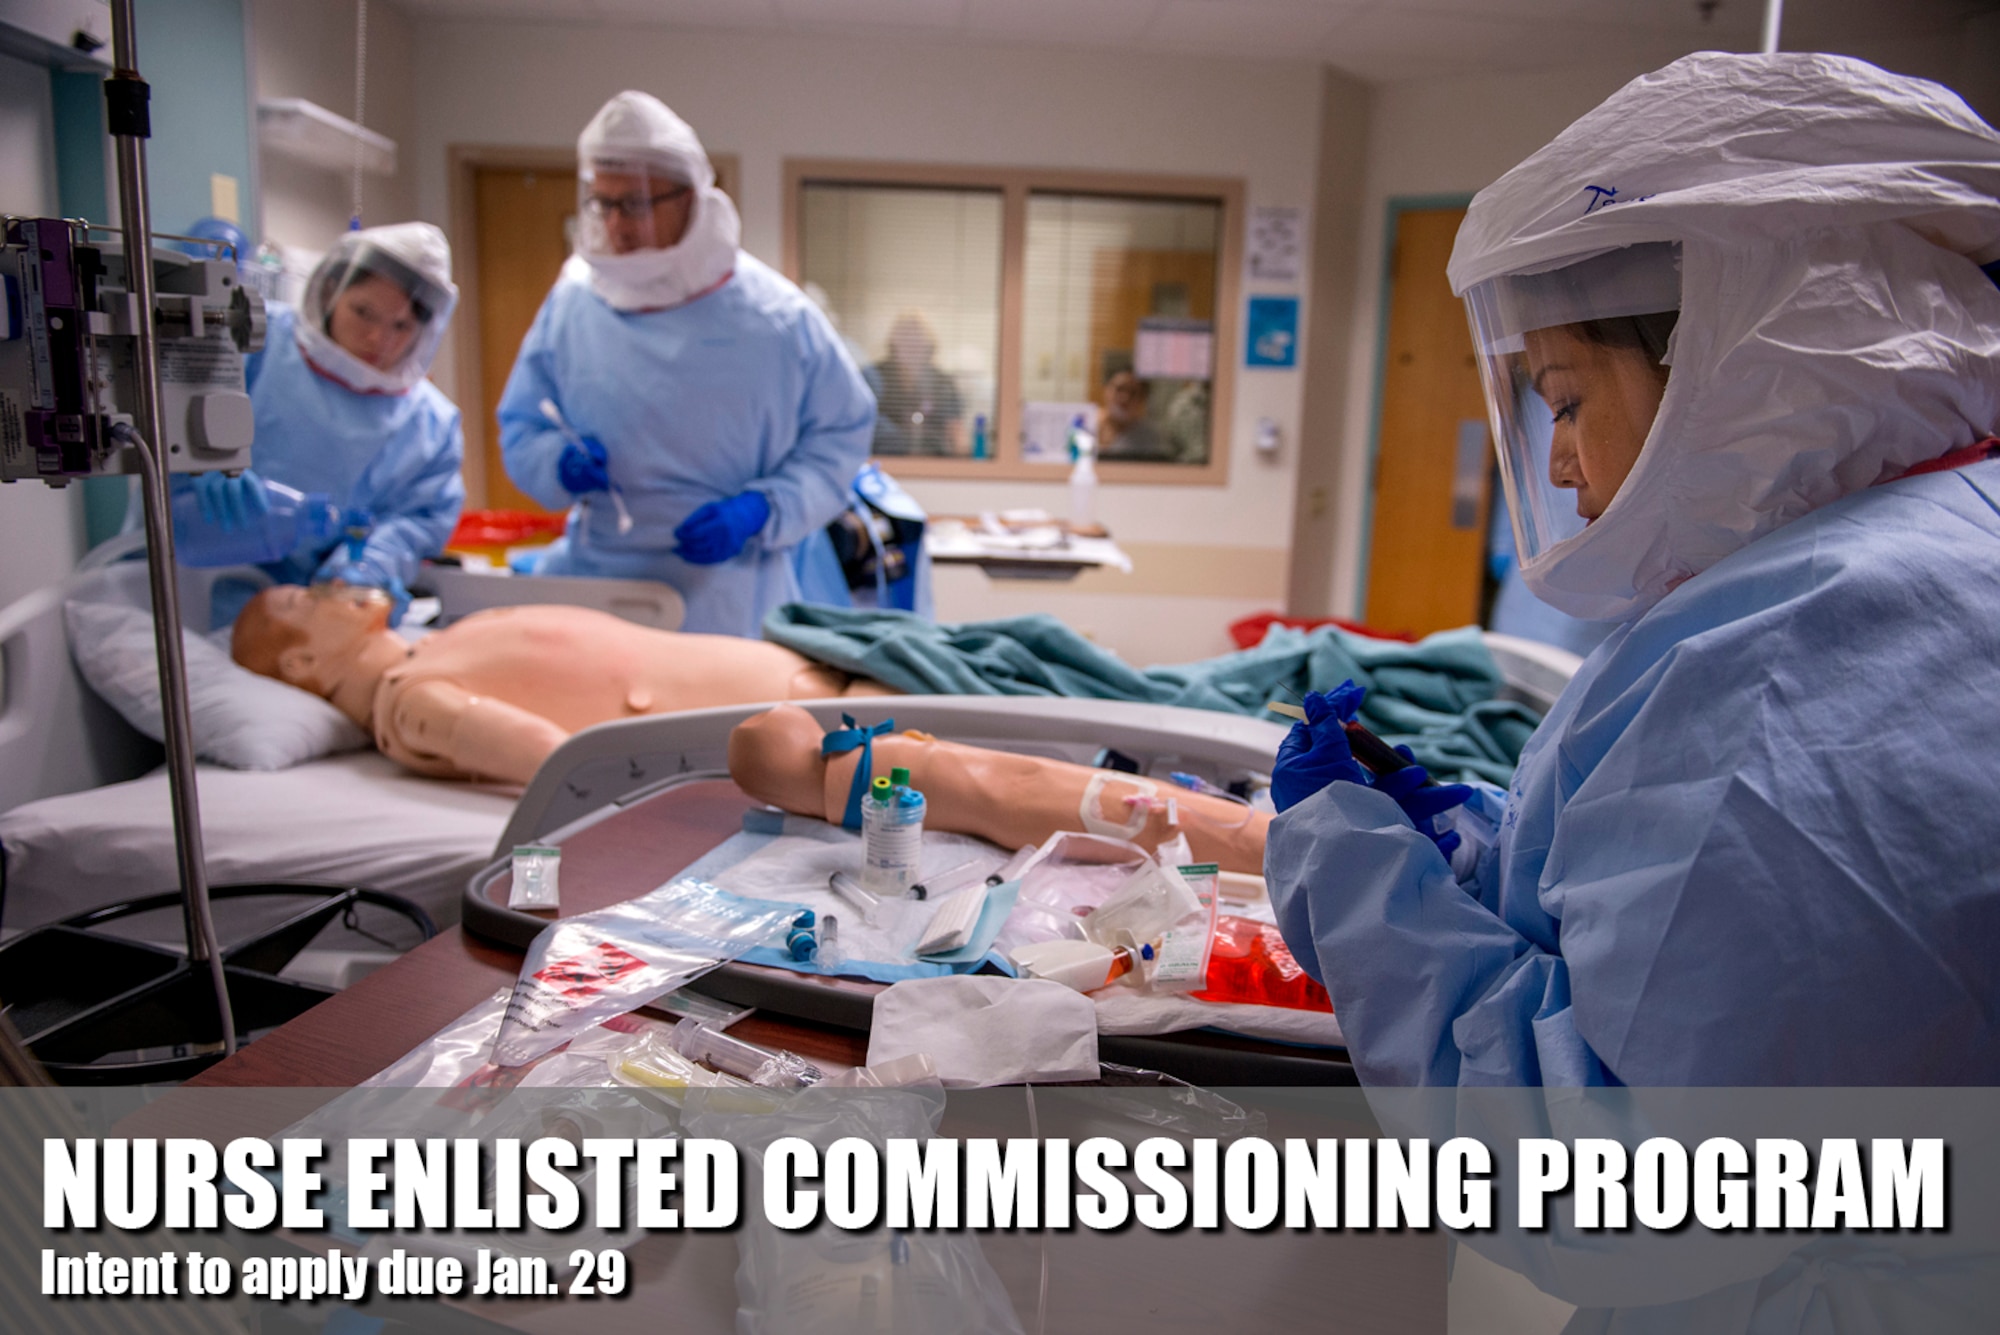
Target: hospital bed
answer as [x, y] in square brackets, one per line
[83, 802]
[608, 775]
[618, 763]
[84, 810]
[84, 813]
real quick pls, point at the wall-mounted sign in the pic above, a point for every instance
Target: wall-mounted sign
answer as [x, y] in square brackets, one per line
[1275, 252]
[1272, 332]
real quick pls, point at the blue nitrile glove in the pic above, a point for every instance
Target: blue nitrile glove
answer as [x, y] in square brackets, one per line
[367, 573]
[1423, 805]
[581, 468]
[232, 504]
[718, 530]
[1315, 752]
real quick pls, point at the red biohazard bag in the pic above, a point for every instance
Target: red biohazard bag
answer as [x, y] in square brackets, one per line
[1248, 962]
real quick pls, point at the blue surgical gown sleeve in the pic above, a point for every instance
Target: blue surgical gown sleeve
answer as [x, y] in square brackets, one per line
[1442, 990]
[1751, 845]
[836, 415]
[396, 456]
[414, 495]
[529, 445]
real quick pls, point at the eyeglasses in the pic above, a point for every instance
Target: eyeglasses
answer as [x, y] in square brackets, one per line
[631, 207]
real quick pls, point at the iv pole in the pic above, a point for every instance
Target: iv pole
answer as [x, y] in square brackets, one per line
[127, 117]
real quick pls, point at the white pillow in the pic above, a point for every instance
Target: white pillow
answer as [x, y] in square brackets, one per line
[241, 719]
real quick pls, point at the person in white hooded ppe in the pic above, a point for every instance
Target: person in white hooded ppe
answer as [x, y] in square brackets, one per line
[342, 408]
[1753, 842]
[693, 406]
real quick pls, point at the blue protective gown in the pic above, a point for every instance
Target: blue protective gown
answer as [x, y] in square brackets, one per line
[745, 388]
[1753, 844]
[396, 456]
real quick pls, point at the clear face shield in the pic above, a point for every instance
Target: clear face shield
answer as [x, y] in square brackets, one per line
[1573, 361]
[627, 207]
[378, 310]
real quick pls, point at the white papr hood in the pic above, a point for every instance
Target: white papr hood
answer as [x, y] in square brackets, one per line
[1835, 327]
[637, 129]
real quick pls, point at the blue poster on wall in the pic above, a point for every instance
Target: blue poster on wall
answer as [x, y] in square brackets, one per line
[1273, 332]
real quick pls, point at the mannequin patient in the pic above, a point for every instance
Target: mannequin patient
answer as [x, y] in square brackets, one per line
[1004, 798]
[492, 695]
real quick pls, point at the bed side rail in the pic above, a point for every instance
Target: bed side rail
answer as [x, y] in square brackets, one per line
[618, 762]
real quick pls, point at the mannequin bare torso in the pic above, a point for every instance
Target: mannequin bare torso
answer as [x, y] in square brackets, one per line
[491, 695]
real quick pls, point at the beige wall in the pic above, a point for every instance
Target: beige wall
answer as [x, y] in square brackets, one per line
[1452, 136]
[1339, 226]
[1287, 530]
[767, 97]
[305, 48]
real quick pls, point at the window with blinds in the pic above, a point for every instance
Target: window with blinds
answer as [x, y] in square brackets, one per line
[911, 278]
[992, 308]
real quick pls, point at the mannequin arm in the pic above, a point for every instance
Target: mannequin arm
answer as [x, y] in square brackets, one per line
[1007, 799]
[438, 728]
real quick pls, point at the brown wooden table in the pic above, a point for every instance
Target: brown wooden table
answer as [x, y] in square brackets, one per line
[352, 1035]
[355, 1033]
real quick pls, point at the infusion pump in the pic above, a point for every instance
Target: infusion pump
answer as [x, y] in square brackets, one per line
[68, 347]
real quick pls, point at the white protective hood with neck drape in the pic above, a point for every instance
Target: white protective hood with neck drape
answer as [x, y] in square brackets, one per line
[1835, 326]
[637, 131]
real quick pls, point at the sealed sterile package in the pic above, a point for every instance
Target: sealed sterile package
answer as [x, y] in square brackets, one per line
[1181, 962]
[458, 1058]
[1068, 875]
[687, 1004]
[584, 970]
[535, 884]
[1150, 901]
[650, 1061]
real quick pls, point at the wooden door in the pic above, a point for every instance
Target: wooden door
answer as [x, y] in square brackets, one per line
[1433, 457]
[522, 219]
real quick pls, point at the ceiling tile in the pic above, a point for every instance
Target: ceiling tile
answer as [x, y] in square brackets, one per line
[1275, 29]
[1373, 39]
[698, 13]
[1064, 22]
[914, 14]
[1399, 42]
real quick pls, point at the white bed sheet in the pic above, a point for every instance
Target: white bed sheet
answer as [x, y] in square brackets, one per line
[356, 819]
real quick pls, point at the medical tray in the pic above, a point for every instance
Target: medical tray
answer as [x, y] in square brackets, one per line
[611, 856]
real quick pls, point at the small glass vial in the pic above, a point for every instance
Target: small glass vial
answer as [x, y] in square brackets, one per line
[892, 835]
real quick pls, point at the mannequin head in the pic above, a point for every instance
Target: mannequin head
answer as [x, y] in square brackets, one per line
[308, 637]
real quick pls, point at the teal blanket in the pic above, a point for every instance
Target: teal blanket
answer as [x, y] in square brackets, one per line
[1435, 696]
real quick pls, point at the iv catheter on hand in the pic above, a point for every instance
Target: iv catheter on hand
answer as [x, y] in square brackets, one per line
[569, 433]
